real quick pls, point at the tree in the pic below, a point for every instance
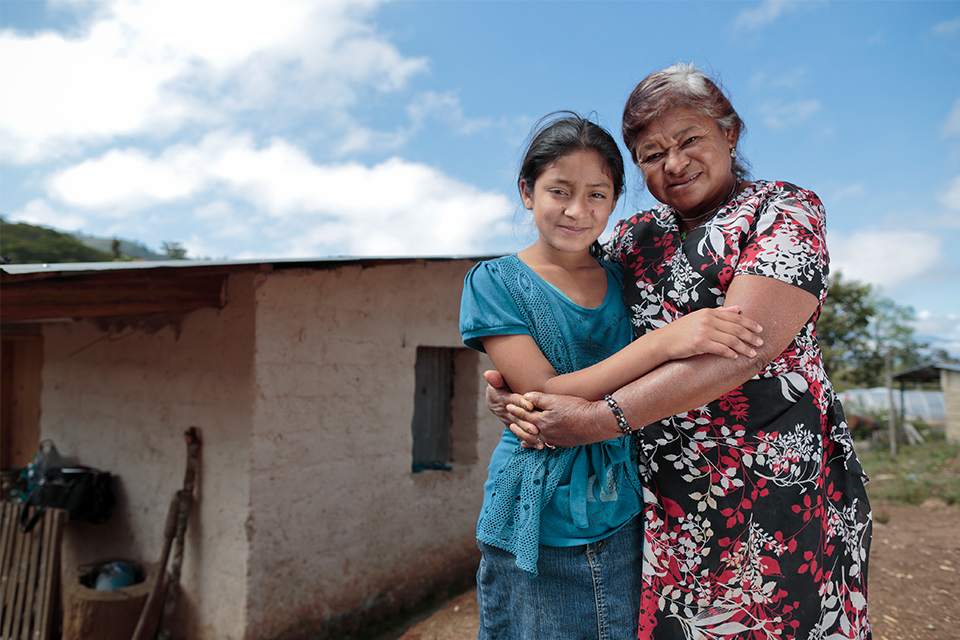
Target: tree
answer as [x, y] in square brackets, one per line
[844, 323]
[857, 327]
[174, 250]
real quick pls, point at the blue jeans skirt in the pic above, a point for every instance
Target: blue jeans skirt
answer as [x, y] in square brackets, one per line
[588, 592]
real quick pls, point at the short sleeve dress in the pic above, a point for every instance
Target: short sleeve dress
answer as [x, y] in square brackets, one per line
[757, 520]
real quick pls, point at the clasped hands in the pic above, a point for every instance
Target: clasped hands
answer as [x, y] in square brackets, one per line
[547, 420]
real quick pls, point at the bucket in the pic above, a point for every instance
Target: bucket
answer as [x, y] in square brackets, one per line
[105, 615]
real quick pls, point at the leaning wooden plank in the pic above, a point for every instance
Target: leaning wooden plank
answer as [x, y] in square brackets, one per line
[6, 552]
[23, 573]
[13, 584]
[53, 535]
[43, 576]
[8, 524]
[36, 593]
[6, 535]
[30, 598]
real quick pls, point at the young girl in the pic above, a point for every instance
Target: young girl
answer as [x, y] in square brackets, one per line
[558, 532]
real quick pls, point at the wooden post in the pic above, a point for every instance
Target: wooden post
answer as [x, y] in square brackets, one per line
[891, 410]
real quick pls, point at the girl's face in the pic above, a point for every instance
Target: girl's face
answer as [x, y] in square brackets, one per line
[571, 200]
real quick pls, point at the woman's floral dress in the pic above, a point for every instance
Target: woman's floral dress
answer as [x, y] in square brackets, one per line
[757, 522]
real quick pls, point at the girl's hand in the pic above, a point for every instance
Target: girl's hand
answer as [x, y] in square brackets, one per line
[723, 332]
[499, 396]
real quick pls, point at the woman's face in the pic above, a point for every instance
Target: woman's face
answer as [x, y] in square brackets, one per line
[685, 160]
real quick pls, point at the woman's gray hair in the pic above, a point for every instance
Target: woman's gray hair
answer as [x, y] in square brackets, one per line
[681, 85]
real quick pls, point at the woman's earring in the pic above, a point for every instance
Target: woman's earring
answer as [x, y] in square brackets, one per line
[733, 152]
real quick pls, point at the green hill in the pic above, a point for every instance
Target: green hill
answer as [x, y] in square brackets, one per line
[22, 243]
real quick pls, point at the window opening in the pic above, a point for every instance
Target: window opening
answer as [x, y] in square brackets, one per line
[433, 408]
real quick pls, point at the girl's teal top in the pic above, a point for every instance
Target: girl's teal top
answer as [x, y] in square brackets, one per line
[556, 497]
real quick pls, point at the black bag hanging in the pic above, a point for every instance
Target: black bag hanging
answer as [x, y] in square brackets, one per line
[87, 494]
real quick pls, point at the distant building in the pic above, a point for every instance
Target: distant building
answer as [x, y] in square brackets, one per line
[912, 404]
[319, 387]
[948, 375]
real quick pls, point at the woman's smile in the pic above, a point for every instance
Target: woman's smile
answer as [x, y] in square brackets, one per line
[686, 182]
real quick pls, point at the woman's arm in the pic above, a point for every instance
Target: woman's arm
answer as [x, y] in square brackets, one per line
[680, 385]
[723, 332]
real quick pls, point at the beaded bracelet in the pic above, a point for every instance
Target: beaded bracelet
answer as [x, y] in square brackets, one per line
[618, 414]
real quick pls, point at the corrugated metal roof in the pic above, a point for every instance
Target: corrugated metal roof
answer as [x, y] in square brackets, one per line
[43, 292]
[74, 268]
[928, 372]
[63, 267]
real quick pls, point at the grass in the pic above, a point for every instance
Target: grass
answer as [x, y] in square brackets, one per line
[916, 474]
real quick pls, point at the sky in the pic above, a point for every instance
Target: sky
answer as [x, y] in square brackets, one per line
[311, 128]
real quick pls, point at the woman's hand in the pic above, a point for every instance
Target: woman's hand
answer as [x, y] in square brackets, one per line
[561, 421]
[723, 331]
[519, 414]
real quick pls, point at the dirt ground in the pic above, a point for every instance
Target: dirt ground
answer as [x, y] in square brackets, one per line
[914, 589]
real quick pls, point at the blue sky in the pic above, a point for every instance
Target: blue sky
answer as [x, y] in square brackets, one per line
[291, 128]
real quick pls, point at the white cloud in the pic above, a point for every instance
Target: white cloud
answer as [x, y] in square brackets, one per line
[769, 11]
[72, 92]
[784, 114]
[429, 105]
[947, 28]
[782, 78]
[942, 331]
[393, 208]
[39, 212]
[878, 38]
[358, 138]
[927, 322]
[886, 259]
[151, 66]
[843, 192]
[952, 126]
[125, 181]
[446, 108]
[223, 221]
[950, 195]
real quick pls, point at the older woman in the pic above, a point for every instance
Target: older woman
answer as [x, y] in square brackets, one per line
[757, 522]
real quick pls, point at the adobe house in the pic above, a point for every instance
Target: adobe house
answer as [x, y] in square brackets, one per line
[345, 435]
[948, 375]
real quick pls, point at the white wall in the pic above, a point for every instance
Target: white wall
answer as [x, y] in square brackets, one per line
[338, 519]
[120, 401]
[308, 512]
[950, 384]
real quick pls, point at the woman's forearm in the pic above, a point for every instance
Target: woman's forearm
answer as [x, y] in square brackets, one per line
[723, 332]
[680, 385]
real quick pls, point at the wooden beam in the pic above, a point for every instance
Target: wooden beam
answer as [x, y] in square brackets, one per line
[109, 294]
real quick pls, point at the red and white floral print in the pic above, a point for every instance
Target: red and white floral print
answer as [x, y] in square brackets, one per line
[757, 522]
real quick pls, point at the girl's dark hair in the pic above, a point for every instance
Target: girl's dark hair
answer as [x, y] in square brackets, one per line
[562, 132]
[682, 85]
